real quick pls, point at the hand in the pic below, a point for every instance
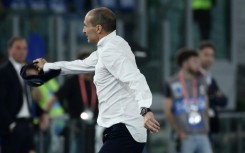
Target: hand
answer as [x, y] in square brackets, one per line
[150, 123]
[44, 122]
[12, 126]
[39, 63]
[32, 151]
[182, 135]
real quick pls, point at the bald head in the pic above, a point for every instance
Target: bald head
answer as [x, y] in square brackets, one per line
[104, 17]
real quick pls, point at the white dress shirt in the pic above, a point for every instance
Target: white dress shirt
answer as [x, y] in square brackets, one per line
[24, 111]
[122, 90]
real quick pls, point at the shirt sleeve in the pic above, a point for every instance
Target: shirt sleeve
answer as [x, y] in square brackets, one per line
[74, 67]
[125, 70]
[5, 116]
[215, 100]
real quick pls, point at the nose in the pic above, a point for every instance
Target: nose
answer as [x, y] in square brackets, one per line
[84, 30]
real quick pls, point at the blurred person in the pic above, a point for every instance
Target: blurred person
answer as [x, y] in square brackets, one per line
[2, 11]
[123, 94]
[79, 94]
[15, 102]
[202, 16]
[216, 97]
[2, 58]
[186, 104]
[78, 6]
[41, 96]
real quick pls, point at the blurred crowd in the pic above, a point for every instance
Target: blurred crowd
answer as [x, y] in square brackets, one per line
[56, 6]
[65, 6]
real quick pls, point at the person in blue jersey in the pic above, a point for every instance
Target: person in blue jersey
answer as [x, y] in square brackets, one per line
[186, 104]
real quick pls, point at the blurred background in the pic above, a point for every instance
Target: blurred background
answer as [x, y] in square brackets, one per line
[155, 29]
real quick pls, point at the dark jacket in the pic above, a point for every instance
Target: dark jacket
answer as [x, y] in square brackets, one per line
[11, 96]
[215, 102]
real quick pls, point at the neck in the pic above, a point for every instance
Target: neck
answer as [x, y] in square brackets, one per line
[187, 74]
[104, 34]
[16, 60]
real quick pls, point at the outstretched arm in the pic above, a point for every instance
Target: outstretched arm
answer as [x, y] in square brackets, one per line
[170, 117]
[74, 67]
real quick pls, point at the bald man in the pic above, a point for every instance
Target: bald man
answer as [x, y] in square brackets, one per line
[123, 93]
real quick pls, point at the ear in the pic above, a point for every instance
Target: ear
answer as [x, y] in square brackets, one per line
[99, 29]
[9, 50]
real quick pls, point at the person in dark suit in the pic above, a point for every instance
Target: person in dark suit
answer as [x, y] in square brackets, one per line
[2, 58]
[15, 102]
[216, 96]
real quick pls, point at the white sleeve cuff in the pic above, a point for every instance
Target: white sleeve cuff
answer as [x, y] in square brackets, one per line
[47, 67]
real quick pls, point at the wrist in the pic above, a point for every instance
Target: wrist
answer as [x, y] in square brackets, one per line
[45, 67]
[144, 111]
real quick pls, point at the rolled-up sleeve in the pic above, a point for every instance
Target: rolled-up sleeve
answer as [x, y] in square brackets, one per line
[74, 67]
[126, 71]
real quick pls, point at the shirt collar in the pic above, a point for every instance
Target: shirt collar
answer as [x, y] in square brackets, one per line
[15, 63]
[105, 39]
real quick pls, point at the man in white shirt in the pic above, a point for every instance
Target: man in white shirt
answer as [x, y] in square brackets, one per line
[123, 93]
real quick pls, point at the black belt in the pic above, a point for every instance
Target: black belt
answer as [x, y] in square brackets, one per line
[115, 125]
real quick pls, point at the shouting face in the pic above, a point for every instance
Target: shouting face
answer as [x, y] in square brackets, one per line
[90, 30]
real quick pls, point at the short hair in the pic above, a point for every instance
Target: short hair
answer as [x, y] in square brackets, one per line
[13, 40]
[206, 44]
[83, 55]
[184, 54]
[104, 17]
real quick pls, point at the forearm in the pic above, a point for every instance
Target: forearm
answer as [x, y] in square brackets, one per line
[73, 67]
[173, 122]
[220, 101]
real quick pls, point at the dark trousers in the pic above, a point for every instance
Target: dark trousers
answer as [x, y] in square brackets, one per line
[20, 140]
[203, 19]
[89, 138]
[117, 139]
